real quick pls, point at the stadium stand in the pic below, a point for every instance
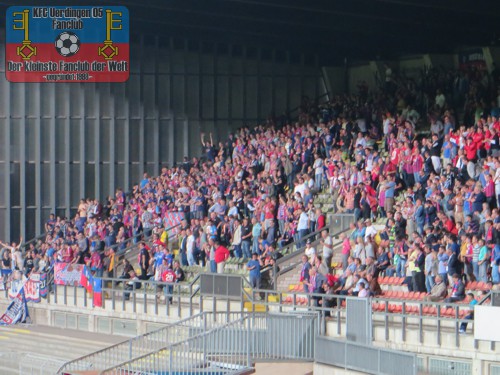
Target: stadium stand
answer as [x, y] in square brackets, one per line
[424, 205]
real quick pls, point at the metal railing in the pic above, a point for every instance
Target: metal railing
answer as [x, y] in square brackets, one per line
[149, 342]
[366, 358]
[130, 245]
[232, 347]
[152, 297]
[401, 314]
[195, 353]
[135, 347]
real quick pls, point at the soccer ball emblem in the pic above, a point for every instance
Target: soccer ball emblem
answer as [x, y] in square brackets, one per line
[67, 44]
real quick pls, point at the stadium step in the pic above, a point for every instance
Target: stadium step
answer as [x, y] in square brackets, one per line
[257, 307]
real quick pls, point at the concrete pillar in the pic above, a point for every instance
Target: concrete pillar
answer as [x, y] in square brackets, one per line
[478, 367]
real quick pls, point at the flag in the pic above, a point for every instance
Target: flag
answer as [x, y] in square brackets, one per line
[86, 279]
[97, 297]
[17, 311]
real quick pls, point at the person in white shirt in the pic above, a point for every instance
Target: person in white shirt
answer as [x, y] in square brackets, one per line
[300, 187]
[190, 243]
[440, 99]
[237, 239]
[318, 172]
[302, 227]
[370, 229]
[310, 252]
[326, 241]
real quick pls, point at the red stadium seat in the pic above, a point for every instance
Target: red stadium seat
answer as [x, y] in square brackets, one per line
[472, 285]
[400, 295]
[390, 281]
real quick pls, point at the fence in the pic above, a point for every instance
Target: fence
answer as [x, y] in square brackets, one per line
[226, 343]
[410, 315]
[149, 342]
[198, 354]
[365, 358]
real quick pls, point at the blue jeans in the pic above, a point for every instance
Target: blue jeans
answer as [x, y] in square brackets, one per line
[318, 179]
[213, 266]
[357, 214]
[302, 234]
[495, 275]
[475, 270]
[483, 272]
[416, 176]
[237, 251]
[255, 245]
[245, 247]
[400, 268]
[281, 226]
[429, 282]
[184, 259]
[191, 259]
[169, 291]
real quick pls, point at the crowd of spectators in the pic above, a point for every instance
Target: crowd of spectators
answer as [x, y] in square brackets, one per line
[436, 195]
[253, 193]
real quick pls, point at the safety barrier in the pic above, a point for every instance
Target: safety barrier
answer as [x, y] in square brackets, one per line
[440, 316]
[222, 342]
[366, 358]
[149, 342]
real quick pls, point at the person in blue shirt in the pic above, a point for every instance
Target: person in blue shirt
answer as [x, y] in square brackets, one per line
[470, 315]
[495, 262]
[253, 266]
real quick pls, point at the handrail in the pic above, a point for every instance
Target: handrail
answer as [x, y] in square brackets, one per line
[292, 255]
[127, 347]
[301, 301]
[310, 235]
[128, 343]
[199, 336]
[127, 250]
[296, 109]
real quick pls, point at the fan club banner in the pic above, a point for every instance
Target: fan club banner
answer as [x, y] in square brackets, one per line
[17, 311]
[472, 57]
[67, 44]
[67, 274]
[79, 275]
[34, 288]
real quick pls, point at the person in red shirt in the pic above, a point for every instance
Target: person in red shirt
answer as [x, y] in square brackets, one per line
[321, 219]
[168, 276]
[470, 150]
[221, 255]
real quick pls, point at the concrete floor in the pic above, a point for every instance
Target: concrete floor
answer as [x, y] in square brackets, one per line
[288, 368]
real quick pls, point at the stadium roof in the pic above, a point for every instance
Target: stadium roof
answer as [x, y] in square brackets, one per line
[333, 29]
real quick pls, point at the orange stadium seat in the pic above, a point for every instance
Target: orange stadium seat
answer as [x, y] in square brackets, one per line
[472, 285]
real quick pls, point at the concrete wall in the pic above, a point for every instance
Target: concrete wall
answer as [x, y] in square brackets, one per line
[363, 72]
[335, 79]
[445, 60]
